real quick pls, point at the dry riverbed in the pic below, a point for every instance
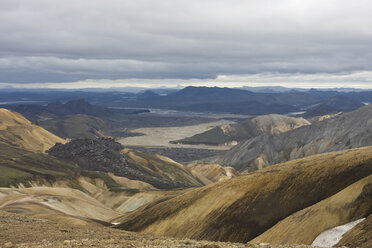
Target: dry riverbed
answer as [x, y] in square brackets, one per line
[161, 136]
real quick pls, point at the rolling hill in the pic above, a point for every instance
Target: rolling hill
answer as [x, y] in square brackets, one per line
[273, 204]
[213, 172]
[244, 207]
[38, 184]
[18, 131]
[78, 126]
[344, 131]
[359, 236]
[244, 130]
[352, 203]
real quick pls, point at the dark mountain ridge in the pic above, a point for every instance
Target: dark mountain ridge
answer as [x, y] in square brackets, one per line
[344, 103]
[319, 110]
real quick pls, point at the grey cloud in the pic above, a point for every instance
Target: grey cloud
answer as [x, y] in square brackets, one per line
[47, 40]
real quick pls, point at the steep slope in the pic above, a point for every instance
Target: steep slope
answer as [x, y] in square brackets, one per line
[347, 130]
[352, 203]
[106, 155]
[244, 207]
[19, 166]
[359, 236]
[161, 167]
[17, 131]
[213, 172]
[233, 133]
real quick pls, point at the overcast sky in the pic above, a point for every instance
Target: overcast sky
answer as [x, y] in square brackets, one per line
[96, 43]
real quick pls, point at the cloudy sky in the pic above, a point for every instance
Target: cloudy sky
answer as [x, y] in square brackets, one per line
[116, 43]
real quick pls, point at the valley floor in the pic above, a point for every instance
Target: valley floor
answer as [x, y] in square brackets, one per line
[21, 231]
[161, 136]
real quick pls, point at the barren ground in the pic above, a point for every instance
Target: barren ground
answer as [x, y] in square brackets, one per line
[21, 231]
[161, 136]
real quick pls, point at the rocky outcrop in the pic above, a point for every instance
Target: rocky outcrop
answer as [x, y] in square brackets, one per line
[105, 154]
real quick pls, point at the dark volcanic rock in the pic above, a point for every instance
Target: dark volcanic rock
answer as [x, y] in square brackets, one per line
[104, 154]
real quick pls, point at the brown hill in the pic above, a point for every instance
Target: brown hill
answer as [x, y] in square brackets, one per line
[161, 167]
[17, 131]
[244, 207]
[60, 204]
[77, 126]
[359, 236]
[213, 172]
[352, 203]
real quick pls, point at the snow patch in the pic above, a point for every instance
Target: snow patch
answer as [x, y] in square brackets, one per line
[331, 237]
[115, 223]
[228, 174]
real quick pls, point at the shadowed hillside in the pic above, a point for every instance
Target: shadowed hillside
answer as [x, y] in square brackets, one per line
[244, 207]
[78, 126]
[359, 236]
[352, 203]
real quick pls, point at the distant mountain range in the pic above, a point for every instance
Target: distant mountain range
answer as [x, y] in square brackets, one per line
[239, 101]
[202, 99]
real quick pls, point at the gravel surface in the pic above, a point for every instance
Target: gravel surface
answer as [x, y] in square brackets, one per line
[22, 231]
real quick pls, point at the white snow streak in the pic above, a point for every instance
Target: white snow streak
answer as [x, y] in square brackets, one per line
[331, 237]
